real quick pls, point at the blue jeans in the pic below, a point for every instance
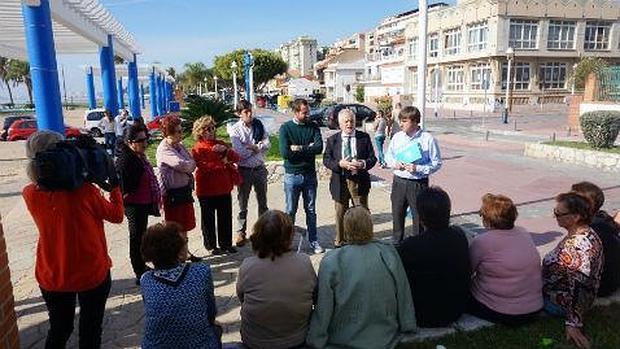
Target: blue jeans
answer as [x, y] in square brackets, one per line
[304, 184]
[379, 140]
[553, 309]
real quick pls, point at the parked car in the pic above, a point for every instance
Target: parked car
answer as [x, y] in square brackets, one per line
[91, 121]
[362, 114]
[316, 115]
[22, 129]
[8, 121]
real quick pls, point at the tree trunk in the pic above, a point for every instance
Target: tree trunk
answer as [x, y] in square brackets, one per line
[8, 87]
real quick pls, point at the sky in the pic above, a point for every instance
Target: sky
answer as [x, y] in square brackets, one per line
[175, 32]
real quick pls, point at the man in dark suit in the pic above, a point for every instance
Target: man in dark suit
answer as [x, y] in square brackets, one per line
[349, 154]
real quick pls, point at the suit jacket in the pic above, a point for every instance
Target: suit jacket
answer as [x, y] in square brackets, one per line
[333, 155]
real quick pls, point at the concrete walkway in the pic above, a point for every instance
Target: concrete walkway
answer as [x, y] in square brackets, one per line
[472, 167]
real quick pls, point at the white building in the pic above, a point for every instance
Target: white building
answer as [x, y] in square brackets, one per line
[343, 74]
[300, 55]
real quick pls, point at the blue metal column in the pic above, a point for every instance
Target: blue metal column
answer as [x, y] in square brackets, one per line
[142, 104]
[166, 95]
[43, 67]
[160, 94]
[153, 94]
[108, 77]
[121, 94]
[90, 88]
[247, 62]
[132, 89]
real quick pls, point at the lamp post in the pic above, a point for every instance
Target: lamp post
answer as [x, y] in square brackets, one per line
[509, 55]
[205, 81]
[572, 88]
[436, 90]
[215, 83]
[233, 67]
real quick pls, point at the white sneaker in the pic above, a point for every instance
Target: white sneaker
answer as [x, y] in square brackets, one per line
[314, 245]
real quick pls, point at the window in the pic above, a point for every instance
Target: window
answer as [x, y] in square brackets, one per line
[477, 37]
[413, 48]
[455, 78]
[561, 35]
[552, 75]
[433, 45]
[520, 76]
[453, 42]
[523, 34]
[597, 36]
[480, 77]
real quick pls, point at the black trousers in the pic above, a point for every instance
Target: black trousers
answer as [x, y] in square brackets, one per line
[474, 307]
[137, 219]
[61, 310]
[209, 207]
[404, 194]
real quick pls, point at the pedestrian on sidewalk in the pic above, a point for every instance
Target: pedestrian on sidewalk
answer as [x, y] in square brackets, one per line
[380, 128]
[121, 124]
[414, 155]
[72, 253]
[349, 155]
[108, 126]
[251, 141]
[300, 143]
[216, 177]
[176, 180]
[179, 301]
[141, 195]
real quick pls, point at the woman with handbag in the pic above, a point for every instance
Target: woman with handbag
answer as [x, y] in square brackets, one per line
[216, 176]
[141, 196]
[176, 181]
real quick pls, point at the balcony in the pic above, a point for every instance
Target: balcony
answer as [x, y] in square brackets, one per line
[380, 57]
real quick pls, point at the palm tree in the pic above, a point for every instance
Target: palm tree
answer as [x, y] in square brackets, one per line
[172, 72]
[194, 74]
[4, 76]
[19, 73]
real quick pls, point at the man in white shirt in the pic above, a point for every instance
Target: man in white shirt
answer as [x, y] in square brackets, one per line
[251, 141]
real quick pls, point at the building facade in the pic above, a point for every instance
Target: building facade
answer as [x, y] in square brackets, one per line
[300, 55]
[467, 62]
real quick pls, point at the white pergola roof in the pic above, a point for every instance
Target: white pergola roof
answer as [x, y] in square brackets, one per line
[80, 26]
[144, 71]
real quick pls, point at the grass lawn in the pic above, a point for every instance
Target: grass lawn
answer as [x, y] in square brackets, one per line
[582, 145]
[602, 328]
[272, 155]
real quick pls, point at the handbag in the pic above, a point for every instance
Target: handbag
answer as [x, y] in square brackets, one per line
[179, 196]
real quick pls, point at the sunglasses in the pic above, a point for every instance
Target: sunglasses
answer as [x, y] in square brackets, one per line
[557, 214]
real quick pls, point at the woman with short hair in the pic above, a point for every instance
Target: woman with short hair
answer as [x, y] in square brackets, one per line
[176, 179]
[364, 300]
[506, 280]
[275, 287]
[72, 253]
[572, 270]
[179, 301]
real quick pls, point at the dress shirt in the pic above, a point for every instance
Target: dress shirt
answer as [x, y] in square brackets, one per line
[345, 137]
[241, 136]
[424, 167]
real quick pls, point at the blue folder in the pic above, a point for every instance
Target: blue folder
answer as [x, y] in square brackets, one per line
[409, 153]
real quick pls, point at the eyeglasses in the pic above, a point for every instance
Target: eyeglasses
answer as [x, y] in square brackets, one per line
[557, 214]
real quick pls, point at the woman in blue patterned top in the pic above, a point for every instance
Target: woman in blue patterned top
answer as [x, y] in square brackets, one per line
[179, 303]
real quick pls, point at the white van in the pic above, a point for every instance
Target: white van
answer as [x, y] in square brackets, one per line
[91, 121]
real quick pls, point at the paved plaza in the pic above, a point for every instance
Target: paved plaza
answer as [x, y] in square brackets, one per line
[472, 167]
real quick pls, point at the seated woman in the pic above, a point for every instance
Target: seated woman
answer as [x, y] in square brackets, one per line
[506, 281]
[609, 232]
[437, 262]
[364, 300]
[275, 287]
[572, 270]
[179, 304]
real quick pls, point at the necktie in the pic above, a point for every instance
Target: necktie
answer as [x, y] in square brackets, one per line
[347, 148]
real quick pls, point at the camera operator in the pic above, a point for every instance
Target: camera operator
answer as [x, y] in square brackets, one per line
[72, 254]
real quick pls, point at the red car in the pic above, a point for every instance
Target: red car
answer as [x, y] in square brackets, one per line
[22, 129]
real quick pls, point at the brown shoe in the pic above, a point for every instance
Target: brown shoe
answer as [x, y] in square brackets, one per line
[240, 239]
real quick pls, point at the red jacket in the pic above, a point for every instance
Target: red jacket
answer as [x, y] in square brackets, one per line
[72, 253]
[213, 176]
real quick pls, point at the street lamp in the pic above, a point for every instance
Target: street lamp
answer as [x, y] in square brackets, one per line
[572, 88]
[233, 67]
[215, 82]
[206, 88]
[510, 53]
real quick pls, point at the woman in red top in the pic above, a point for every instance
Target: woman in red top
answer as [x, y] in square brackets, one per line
[72, 253]
[215, 178]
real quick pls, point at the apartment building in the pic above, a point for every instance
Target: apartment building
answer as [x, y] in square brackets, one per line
[300, 55]
[467, 44]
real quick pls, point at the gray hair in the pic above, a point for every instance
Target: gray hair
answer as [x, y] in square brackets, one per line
[38, 142]
[344, 113]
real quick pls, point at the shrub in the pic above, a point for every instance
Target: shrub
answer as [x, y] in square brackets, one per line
[198, 106]
[586, 66]
[600, 128]
[384, 104]
[359, 93]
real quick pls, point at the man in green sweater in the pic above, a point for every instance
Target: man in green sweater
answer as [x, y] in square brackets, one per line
[300, 142]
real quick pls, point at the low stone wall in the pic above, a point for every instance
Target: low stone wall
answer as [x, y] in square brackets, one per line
[590, 158]
[275, 171]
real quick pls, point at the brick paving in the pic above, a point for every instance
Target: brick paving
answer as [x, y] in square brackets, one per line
[472, 167]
